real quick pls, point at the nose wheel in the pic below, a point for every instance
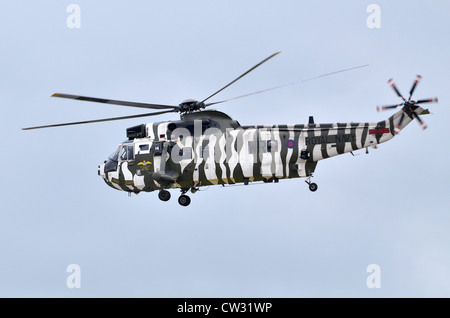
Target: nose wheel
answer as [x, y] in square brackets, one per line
[164, 195]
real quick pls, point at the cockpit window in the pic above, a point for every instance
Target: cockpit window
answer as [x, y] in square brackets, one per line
[127, 152]
[130, 150]
[123, 154]
[111, 163]
[115, 155]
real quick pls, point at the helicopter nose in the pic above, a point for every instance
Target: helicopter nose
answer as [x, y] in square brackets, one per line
[101, 170]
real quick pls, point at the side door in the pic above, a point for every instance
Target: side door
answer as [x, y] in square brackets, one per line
[159, 151]
[127, 166]
[143, 164]
[270, 153]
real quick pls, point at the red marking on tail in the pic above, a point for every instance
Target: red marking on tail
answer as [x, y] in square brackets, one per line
[378, 131]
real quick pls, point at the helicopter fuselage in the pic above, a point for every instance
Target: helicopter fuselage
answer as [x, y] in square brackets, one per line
[210, 148]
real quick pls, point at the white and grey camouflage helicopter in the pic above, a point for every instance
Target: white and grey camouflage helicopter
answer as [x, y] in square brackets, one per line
[208, 147]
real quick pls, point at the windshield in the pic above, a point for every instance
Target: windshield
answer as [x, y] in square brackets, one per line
[115, 155]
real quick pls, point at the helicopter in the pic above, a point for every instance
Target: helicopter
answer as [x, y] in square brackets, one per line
[207, 147]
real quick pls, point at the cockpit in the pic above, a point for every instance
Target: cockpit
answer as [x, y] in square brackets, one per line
[126, 152]
[113, 160]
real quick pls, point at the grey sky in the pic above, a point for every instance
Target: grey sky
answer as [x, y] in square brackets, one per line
[390, 207]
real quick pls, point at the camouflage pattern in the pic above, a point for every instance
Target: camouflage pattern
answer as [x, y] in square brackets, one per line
[209, 148]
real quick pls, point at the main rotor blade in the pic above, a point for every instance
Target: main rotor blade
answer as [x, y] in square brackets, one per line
[100, 120]
[413, 87]
[290, 84]
[115, 102]
[241, 76]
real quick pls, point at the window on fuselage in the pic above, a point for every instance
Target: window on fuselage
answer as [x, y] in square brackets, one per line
[272, 146]
[157, 148]
[130, 150]
[127, 153]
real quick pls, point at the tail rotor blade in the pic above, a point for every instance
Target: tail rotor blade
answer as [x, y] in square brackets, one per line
[413, 87]
[392, 83]
[380, 108]
[399, 125]
[427, 100]
[421, 122]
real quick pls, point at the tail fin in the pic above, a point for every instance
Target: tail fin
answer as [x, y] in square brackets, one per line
[405, 116]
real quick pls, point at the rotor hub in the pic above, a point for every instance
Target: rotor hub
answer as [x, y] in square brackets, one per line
[190, 105]
[409, 103]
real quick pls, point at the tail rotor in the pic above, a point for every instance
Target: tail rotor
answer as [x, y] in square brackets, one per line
[409, 105]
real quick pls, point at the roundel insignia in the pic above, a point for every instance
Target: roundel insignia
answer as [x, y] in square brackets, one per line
[290, 144]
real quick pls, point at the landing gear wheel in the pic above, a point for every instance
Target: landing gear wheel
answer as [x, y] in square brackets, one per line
[313, 187]
[164, 195]
[184, 200]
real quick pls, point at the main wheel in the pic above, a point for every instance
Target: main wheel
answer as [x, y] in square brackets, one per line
[164, 195]
[313, 187]
[184, 200]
